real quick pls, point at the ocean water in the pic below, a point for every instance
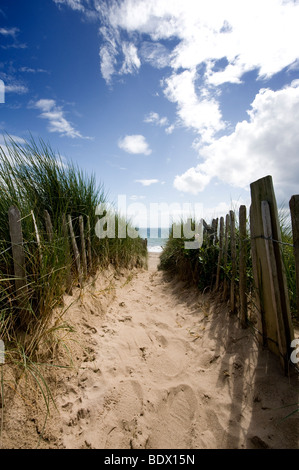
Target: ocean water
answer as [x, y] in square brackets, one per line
[156, 238]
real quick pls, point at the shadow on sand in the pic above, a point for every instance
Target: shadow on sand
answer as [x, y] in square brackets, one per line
[260, 393]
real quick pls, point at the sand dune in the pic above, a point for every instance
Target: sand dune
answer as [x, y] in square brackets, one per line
[163, 368]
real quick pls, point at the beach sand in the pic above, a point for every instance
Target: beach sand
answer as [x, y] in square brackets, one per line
[162, 367]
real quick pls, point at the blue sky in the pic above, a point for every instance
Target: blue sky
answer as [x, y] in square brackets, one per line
[176, 102]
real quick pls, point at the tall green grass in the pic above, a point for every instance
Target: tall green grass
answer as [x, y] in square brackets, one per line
[35, 178]
[289, 259]
[199, 266]
[191, 265]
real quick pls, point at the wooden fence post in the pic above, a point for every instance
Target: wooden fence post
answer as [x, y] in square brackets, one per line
[259, 307]
[242, 266]
[49, 227]
[83, 249]
[220, 256]
[209, 232]
[16, 236]
[277, 315]
[69, 281]
[268, 253]
[89, 244]
[225, 256]
[294, 208]
[214, 231]
[234, 265]
[75, 250]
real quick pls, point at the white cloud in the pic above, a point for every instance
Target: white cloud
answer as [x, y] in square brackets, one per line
[13, 85]
[9, 32]
[155, 54]
[266, 144]
[107, 63]
[135, 144]
[248, 35]
[31, 70]
[131, 59]
[154, 118]
[208, 31]
[147, 182]
[16, 88]
[192, 181]
[200, 113]
[15, 138]
[55, 115]
[170, 129]
[203, 45]
[74, 4]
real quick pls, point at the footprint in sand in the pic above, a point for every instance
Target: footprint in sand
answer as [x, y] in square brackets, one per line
[172, 426]
[170, 360]
[120, 421]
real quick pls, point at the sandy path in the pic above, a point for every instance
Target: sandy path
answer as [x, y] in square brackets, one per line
[166, 369]
[163, 368]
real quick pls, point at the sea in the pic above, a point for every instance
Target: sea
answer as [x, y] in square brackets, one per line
[156, 238]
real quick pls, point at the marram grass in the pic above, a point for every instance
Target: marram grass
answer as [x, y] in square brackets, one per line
[36, 179]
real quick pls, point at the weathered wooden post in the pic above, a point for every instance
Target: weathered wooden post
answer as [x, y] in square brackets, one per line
[69, 281]
[270, 278]
[273, 275]
[214, 231]
[75, 250]
[220, 256]
[242, 266]
[234, 265]
[294, 208]
[259, 307]
[89, 244]
[16, 236]
[83, 249]
[209, 232]
[225, 256]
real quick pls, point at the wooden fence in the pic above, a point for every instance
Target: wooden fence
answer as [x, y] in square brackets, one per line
[269, 295]
[82, 260]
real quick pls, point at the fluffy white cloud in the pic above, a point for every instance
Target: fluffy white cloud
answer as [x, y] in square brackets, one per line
[250, 34]
[192, 181]
[147, 182]
[131, 59]
[267, 143]
[55, 115]
[135, 144]
[261, 35]
[201, 113]
[203, 45]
